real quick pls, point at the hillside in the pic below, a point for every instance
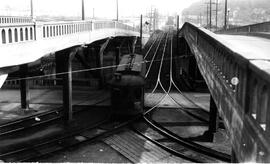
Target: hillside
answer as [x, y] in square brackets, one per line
[241, 11]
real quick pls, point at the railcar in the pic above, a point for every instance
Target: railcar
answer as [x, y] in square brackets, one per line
[127, 86]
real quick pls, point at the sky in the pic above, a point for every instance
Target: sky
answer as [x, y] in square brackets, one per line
[102, 8]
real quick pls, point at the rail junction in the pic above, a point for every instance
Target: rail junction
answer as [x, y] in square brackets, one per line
[211, 88]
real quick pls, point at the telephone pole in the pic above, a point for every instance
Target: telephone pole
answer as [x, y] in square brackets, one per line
[154, 20]
[83, 16]
[207, 14]
[117, 16]
[216, 15]
[151, 19]
[141, 27]
[225, 16]
[32, 9]
[210, 15]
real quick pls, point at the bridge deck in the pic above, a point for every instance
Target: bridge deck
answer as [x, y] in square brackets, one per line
[250, 47]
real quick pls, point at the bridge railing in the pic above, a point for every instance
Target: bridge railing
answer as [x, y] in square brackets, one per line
[55, 29]
[17, 33]
[253, 28]
[241, 89]
[31, 31]
[15, 20]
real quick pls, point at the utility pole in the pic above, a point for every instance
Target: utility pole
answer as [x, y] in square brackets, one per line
[177, 33]
[117, 16]
[154, 20]
[151, 19]
[225, 16]
[200, 19]
[210, 15]
[83, 16]
[207, 14]
[93, 13]
[141, 26]
[216, 15]
[32, 9]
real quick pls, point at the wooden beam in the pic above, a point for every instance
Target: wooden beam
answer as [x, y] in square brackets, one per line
[24, 87]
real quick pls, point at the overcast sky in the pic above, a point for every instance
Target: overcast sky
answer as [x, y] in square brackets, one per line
[103, 8]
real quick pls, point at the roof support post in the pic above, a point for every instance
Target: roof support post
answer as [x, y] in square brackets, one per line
[117, 55]
[100, 62]
[64, 62]
[24, 88]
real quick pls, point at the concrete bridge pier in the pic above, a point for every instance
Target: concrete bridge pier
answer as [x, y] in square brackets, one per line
[24, 87]
[213, 121]
[233, 157]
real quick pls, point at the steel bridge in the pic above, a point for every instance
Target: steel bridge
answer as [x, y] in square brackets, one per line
[236, 70]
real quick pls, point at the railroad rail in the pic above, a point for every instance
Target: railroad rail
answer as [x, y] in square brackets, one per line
[163, 67]
[191, 153]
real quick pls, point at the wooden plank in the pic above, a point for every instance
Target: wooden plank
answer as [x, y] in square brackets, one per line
[136, 148]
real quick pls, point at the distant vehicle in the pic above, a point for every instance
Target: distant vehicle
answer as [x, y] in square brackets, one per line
[127, 86]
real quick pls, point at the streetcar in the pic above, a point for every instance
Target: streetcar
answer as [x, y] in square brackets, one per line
[127, 86]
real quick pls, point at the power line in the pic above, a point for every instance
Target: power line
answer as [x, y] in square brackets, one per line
[87, 70]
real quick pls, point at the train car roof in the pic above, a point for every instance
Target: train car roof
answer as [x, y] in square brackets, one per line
[127, 81]
[130, 63]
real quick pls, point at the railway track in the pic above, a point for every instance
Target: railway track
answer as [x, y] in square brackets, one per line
[210, 155]
[160, 50]
[28, 154]
[10, 128]
[72, 137]
[177, 146]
